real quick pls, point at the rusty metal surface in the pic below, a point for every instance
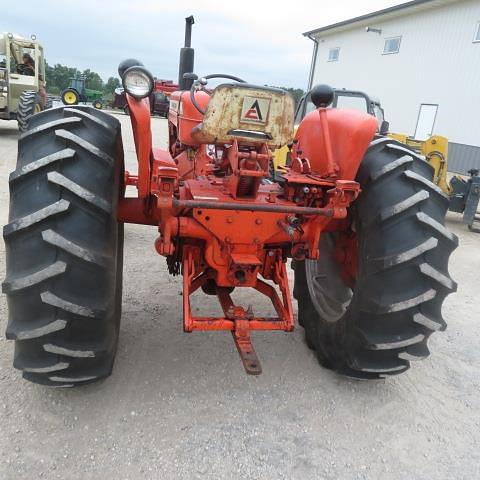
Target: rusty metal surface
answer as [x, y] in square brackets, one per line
[237, 319]
[327, 212]
[237, 111]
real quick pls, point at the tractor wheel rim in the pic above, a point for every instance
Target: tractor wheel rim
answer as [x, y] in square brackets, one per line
[38, 108]
[328, 292]
[70, 98]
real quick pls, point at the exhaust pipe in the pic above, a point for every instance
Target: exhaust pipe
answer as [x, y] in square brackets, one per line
[187, 57]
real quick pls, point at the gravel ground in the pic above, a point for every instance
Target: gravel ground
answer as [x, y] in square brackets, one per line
[179, 406]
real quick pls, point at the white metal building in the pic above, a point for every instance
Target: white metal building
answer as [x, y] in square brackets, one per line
[421, 59]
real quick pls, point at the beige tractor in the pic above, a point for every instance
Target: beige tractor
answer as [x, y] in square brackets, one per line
[22, 79]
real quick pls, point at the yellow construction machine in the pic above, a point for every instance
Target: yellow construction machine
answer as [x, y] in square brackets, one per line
[435, 151]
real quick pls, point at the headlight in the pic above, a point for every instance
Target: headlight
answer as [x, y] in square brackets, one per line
[138, 82]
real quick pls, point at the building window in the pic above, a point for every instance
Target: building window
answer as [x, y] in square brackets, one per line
[392, 45]
[333, 54]
[476, 38]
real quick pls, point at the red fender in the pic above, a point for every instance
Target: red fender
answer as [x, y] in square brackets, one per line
[339, 148]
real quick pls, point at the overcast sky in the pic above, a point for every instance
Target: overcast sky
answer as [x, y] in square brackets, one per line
[260, 41]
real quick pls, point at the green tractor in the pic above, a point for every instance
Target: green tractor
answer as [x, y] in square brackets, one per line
[22, 79]
[78, 92]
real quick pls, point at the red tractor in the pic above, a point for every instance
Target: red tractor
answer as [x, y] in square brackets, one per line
[357, 213]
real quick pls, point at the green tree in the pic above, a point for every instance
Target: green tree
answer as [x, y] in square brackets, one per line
[93, 80]
[296, 93]
[111, 85]
[58, 77]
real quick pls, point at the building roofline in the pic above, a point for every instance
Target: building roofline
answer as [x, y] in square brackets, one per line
[378, 13]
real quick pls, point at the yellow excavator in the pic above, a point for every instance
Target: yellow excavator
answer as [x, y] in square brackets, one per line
[464, 194]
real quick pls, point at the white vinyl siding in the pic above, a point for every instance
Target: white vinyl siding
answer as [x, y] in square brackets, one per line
[435, 38]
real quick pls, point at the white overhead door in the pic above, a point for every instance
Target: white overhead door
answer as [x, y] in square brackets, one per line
[426, 121]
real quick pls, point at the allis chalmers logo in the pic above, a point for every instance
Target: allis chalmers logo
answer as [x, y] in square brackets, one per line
[255, 110]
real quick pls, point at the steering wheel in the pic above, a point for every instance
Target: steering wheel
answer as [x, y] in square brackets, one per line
[23, 69]
[201, 82]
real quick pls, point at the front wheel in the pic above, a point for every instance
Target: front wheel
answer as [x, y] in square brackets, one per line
[98, 104]
[64, 247]
[70, 97]
[370, 315]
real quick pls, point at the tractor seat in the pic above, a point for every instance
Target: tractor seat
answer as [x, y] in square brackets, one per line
[248, 113]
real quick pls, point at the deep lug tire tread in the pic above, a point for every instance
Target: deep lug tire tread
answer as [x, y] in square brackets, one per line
[403, 276]
[26, 108]
[64, 247]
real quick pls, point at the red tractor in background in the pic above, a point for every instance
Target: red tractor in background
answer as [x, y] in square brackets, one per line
[159, 98]
[357, 213]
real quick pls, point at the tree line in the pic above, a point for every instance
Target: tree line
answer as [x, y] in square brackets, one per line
[58, 79]
[296, 93]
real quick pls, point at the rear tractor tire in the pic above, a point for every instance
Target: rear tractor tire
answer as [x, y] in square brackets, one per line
[377, 325]
[29, 103]
[64, 247]
[49, 102]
